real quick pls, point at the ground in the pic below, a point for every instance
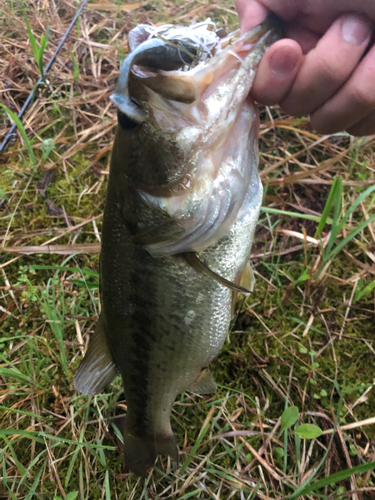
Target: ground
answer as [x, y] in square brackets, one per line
[303, 339]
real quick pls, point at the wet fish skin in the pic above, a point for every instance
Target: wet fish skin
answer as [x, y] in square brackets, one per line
[176, 322]
[183, 179]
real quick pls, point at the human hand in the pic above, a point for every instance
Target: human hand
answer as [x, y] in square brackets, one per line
[326, 66]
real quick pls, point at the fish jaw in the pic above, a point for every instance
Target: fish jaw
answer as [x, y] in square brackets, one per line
[149, 59]
[192, 161]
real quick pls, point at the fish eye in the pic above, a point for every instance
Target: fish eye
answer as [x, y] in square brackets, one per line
[126, 122]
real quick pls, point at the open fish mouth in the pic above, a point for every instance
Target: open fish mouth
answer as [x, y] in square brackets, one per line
[190, 131]
[185, 64]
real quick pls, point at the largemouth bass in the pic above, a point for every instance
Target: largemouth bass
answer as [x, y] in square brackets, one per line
[183, 200]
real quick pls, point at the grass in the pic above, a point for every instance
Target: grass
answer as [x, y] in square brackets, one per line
[300, 357]
[38, 49]
[22, 132]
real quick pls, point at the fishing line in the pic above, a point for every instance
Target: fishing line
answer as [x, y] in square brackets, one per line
[41, 78]
[197, 37]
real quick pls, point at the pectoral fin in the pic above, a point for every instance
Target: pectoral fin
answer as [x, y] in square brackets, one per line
[97, 368]
[245, 279]
[192, 259]
[205, 383]
[248, 278]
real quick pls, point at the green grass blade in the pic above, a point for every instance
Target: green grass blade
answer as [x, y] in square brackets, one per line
[86, 284]
[12, 495]
[107, 487]
[303, 486]
[2, 460]
[32, 491]
[338, 476]
[72, 495]
[327, 208]
[13, 373]
[354, 206]
[195, 448]
[27, 474]
[36, 436]
[297, 215]
[19, 432]
[73, 460]
[191, 494]
[118, 433]
[20, 467]
[66, 268]
[351, 235]
[22, 131]
[243, 394]
[255, 491]
[101, 455]
[336, 218]
[21, 412]
[223, 475]
[32, 39]
[3, 195]
[366, 291]
[303, 323]
[70, 468]
[56, 318]
[43, 45]
[338, 225]
[75, 68]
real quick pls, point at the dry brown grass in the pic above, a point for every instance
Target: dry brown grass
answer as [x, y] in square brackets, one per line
[289, 344]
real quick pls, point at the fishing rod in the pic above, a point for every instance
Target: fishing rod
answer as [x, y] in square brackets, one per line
[41, 79]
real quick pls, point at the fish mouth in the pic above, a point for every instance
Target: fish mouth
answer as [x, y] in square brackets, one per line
[184, 64]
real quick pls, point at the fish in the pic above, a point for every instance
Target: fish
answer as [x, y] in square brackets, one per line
[182, 203]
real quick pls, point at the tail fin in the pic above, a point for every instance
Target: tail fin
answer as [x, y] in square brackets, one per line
[141, 452]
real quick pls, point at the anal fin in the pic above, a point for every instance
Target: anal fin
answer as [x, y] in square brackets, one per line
[97, 369]
[204, 383]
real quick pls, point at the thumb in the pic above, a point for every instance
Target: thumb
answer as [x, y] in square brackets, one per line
[250, 13]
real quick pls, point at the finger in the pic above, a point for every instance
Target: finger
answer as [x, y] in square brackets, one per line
[250, 13]
[318, 22]
[286, 9]
[317, 11]
[329, 65]
[276, 72]
[365, 127]
[354, 101]
[306, 38]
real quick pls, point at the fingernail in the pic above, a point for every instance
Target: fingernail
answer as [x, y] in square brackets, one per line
[283, 61]
[355, 29]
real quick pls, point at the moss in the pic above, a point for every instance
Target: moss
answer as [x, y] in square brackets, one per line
[267, 356]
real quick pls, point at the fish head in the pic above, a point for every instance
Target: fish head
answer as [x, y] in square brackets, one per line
[185, 119]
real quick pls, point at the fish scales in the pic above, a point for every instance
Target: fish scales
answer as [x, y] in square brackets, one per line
[182, 204]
